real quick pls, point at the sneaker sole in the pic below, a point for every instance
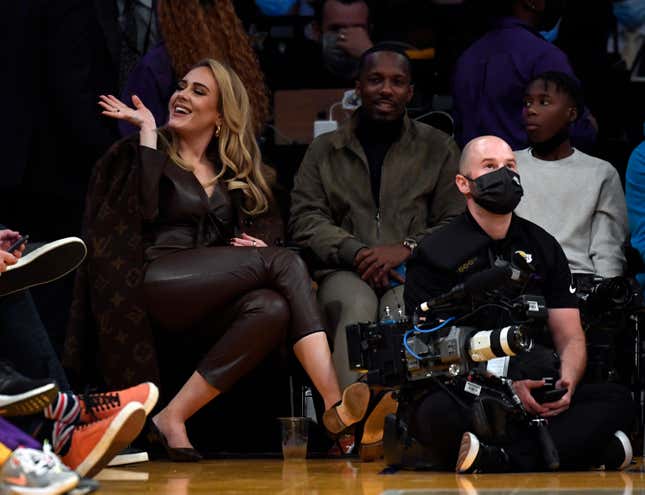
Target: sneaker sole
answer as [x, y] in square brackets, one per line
[85, 485]
[627, 447]
[123, 429]
[55, 489]
[153, 397]
[44, 264]
[467, 452]
[28, 403]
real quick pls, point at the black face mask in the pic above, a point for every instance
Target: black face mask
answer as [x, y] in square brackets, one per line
[498, 192]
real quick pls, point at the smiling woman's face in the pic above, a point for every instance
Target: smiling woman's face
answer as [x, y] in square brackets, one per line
[193, 107]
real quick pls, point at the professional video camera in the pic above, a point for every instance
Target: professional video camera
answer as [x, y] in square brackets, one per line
[403, 352]
[599, 296]
[611, 309]
[443, 345]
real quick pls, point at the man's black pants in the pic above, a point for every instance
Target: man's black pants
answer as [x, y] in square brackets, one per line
[580, 434]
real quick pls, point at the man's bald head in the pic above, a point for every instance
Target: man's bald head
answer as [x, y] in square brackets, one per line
[482, 151]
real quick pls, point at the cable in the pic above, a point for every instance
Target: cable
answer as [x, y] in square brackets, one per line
[434, 329]
[332, 108]
[421, 330]
[435, 112]
[483, 306]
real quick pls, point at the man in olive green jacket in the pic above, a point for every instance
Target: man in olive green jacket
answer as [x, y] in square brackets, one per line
[366, 193]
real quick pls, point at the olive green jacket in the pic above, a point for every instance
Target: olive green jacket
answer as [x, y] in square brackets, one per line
[333, 212]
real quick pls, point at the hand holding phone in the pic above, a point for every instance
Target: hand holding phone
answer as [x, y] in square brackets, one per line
[21, 240]
[548, 393]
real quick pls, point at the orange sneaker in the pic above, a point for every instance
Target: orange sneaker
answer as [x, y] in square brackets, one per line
[95, 407]
[93, 445]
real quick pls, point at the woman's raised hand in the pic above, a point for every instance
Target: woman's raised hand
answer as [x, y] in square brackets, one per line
[139, 115]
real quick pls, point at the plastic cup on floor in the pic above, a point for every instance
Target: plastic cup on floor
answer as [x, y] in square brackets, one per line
[295, 434]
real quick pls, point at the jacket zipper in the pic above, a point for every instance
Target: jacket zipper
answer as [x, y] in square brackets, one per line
[378, 224]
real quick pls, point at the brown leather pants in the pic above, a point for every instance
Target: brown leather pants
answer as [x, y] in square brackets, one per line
[248, 299]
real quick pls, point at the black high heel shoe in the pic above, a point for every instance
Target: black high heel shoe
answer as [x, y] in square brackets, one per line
[174, 454]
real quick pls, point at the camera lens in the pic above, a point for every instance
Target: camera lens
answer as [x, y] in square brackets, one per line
[517, 339]
[490, 344]
[610, 293]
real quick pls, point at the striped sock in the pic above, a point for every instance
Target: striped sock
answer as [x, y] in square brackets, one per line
[65, 411]
[66, 408]
[62, 437]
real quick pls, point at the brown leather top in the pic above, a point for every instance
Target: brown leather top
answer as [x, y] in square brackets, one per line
[184, 216]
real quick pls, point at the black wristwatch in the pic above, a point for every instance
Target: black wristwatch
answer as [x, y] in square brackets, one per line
[411, 244]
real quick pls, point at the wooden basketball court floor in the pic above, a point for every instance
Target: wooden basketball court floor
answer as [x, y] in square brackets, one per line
[323, 477]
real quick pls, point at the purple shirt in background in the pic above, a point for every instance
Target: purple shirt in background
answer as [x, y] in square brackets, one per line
[12, 437]
[152, 80]
[490, 80]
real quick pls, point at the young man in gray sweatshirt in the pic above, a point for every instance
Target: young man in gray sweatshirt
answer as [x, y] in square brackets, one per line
[575, 197]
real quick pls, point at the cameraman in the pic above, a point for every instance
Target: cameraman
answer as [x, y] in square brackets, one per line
[587, 423]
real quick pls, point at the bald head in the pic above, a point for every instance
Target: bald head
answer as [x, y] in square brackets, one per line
[485, 152]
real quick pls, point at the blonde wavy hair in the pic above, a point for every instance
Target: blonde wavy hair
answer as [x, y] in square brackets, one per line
[238, 149]
[198, 29]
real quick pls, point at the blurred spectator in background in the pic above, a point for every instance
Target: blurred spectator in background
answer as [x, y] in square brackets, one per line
[140, 31]
[602, 40]
[492, 74]
[630, 17]
[276, 8]
[57, 58]
[192, 30]
[325, 54]
[635, 195]
[60, 57]
[343, 30]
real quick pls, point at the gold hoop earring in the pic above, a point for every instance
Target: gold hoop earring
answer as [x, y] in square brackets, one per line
[218, 129]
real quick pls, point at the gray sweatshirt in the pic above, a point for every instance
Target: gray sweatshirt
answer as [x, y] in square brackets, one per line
[580, 201]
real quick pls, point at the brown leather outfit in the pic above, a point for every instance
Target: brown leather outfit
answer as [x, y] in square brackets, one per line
[248, 299]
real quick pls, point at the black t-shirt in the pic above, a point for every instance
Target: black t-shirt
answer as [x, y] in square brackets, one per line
[452, 254]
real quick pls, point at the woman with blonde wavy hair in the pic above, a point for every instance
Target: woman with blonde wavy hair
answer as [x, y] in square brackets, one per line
[202, 182]
[193, 30]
